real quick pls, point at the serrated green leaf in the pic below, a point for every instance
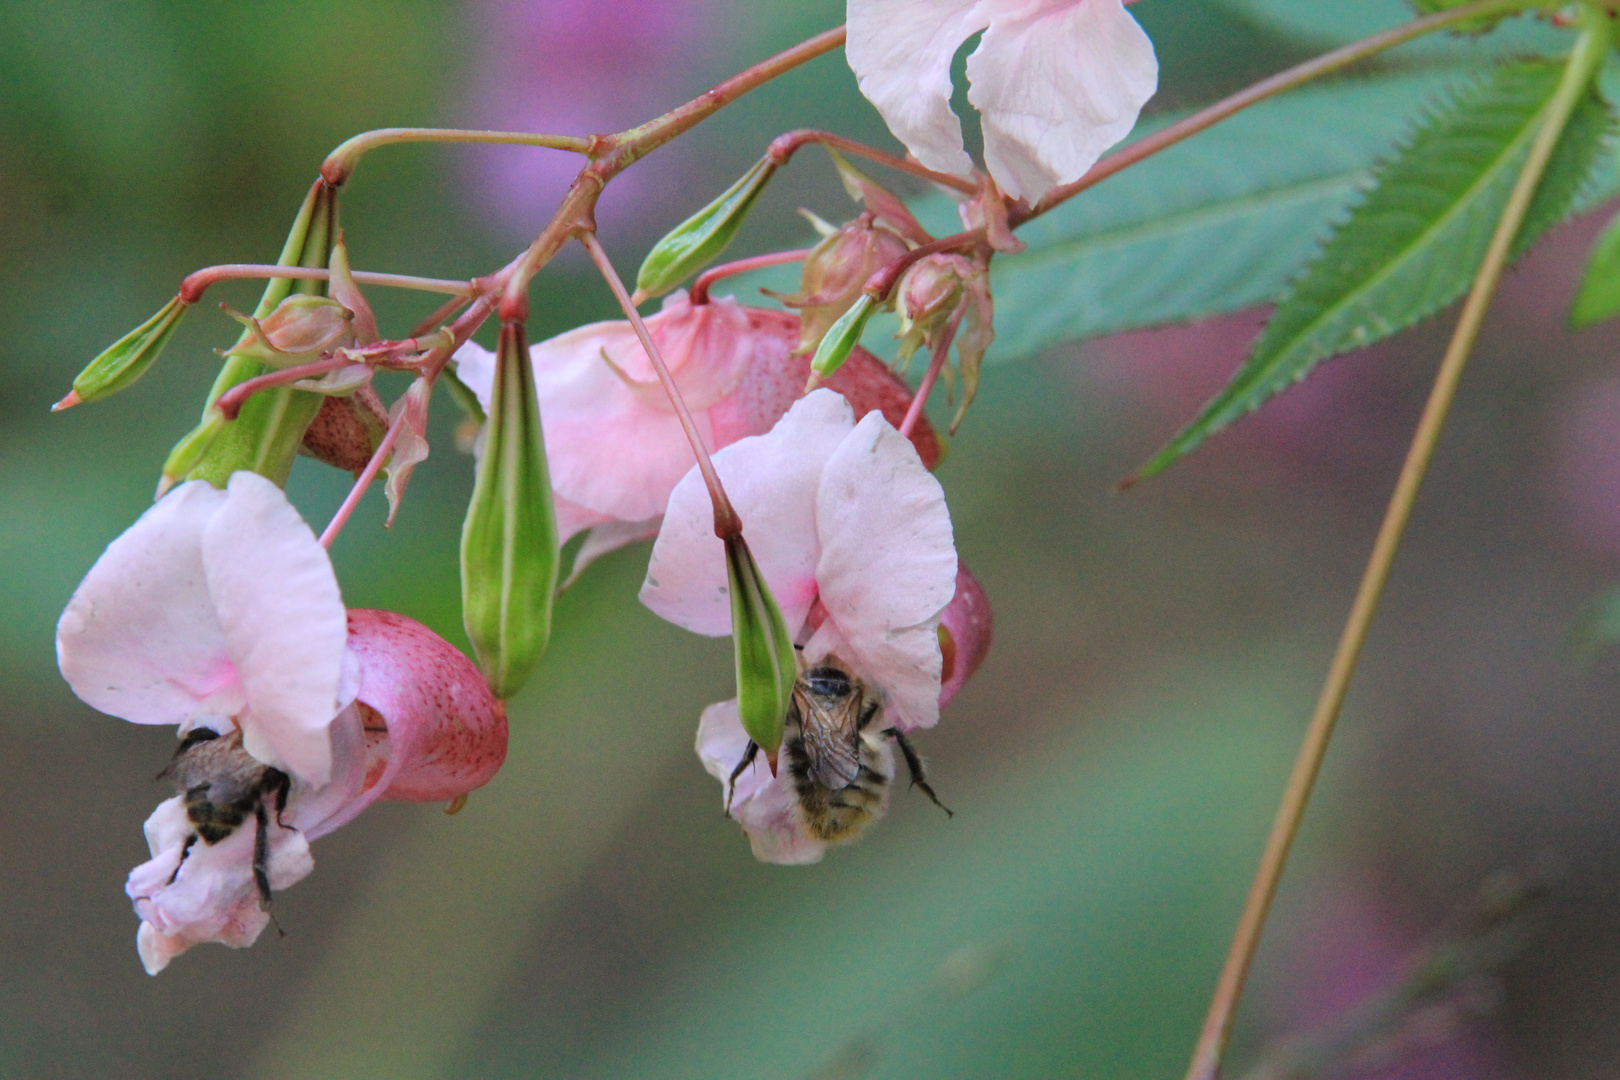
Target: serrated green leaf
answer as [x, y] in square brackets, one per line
[1340, 23]
[1414, 244]
[1599, 295]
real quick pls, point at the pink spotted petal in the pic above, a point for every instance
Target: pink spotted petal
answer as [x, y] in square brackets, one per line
[283, 622]
[433, 729]
[139, 639]
[765, 806]
[967, 624]
[887, 566]
[772, 481]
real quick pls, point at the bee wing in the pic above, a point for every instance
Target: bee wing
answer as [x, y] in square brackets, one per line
[829, 730]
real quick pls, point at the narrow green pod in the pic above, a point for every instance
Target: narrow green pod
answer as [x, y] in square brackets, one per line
[841, 338]
[766, 669]
[127, 359]
[692, 244]
[509, 556]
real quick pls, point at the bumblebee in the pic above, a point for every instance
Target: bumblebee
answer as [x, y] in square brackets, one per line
[837, 753]
[223, 786]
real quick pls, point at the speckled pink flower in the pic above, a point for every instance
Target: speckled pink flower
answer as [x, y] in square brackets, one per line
[218, 612]
[852, 534]
[614, 445]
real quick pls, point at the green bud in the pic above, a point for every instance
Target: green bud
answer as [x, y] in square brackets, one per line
[841, 339]
[125, 360]
[509, 556]
[301, 328]
[692, 244]
[190, 449]
[766, 669]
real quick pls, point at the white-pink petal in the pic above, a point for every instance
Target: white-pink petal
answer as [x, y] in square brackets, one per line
[900, 51]
[284, 624]
[887, 567]
[764, 805]
[139, 639]
[1056, 85]
[772, 481]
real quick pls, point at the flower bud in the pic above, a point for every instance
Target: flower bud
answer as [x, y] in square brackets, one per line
[189, 451]
[299, 329]
[127, 359]
[835, 272]
[509, 541]
[693, 243]
[766, 668]
[842, 337]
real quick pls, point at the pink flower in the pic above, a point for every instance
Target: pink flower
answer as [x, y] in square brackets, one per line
[614, 445]
[853, 536]
[218, 611]
[1056, 82]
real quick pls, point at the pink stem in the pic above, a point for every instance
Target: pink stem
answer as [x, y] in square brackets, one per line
[197, 283]
[783, 147]
[363, 481]
[700, 288]
[231, 401]
[942, 351]
[726, 521]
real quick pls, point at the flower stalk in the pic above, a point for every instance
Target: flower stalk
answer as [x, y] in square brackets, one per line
[1590, 49]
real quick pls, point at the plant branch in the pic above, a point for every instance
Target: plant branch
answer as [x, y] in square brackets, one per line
[197, 282]
[340, 163]
[1326, 64]
[726, 522]
[1588, 54]
[783, 147]
[699, 293]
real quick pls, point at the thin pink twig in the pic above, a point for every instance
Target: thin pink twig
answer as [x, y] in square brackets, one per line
[699, 293]
[363, 481]
[942, 351]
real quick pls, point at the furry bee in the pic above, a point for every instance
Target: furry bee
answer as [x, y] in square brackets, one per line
[837, 754]
[223, 785]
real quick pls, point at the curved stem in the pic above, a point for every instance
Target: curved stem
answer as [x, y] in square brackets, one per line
[197, 282]
[1589, 51]
[726, 521]
[363, 481]
[339, 164]
[936, 364]
[1326, 64]
[783, 147]
[699, 293]
[231, 401]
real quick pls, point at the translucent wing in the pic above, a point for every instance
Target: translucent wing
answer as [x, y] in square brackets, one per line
[828, 725]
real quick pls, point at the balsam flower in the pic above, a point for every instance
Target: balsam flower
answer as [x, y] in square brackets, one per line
[852, 534]
[1056, 82]
[614, 445]
[218, 612]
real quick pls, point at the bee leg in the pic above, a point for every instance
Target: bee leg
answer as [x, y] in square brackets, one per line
[914, 765]
[281, 784]
[747, 760]
[868, 714]
[185, 852]
[261, 855]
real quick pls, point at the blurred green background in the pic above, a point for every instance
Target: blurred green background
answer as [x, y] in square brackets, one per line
[1112, 768]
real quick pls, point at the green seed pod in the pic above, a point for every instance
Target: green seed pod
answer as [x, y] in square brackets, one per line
[509, 555]
[692, 244]
[190, 450]
[766, 668]
[841, 339]
[127, 359]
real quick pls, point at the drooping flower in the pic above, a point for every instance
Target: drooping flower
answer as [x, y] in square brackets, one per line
[218, 612]
[1056, 82]
[852, 534]
[614, 445]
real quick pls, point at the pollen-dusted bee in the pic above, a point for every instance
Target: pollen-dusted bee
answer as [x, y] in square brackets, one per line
[223, 785]
[836, 753]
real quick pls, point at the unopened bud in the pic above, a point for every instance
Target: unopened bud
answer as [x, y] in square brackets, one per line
[766, 669]
[189, 451]
[509, 541]
[834, 273]
[299, 329]
[127, 359]
[838, 341]
[692, 244]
